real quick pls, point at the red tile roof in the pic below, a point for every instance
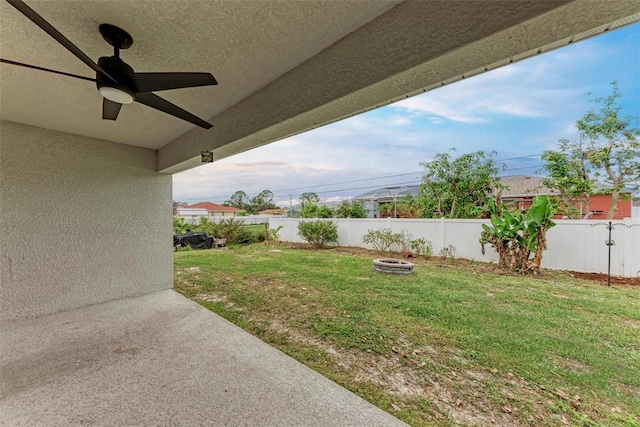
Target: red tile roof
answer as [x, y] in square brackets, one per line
[213, 207]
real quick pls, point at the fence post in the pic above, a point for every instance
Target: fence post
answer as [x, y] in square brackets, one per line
[441, 233]
[348, 231]
[290, 230]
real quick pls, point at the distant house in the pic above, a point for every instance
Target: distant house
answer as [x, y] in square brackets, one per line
[521, 189]
[374, 199]
[635, 209]
[275, 212]
[519, 193]
[212, 209]
[192, 216]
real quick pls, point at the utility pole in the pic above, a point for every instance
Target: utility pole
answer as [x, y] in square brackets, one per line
[290, 206]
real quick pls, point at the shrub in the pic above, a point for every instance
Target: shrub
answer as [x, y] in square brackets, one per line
[232, 230]
[405, 240]
[262, 235]
[382, 240]
[209, 227]
[422, 247]
[319, 233]
[448, 252]
[179, 226]
[244, 236]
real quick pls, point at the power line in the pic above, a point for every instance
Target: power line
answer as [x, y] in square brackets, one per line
[350, 182]
[378, 178]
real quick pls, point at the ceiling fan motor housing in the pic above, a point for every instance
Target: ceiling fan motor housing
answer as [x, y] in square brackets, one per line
[120, 71]
[116, 81]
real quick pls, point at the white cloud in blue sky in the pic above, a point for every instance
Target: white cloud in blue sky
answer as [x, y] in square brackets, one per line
[518, 111]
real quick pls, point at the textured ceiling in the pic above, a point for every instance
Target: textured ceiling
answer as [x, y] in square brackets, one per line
[283, 66]
[244, 44]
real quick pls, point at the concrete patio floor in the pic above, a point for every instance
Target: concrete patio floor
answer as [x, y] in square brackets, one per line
[161, 359]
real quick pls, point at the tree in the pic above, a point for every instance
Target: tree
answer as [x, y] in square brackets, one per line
[239, 200]
[358, 209]
[177, 205]
[385, 210]
[324, 212]
[309, 210]
[608, 148]
[309, 205]
[612, 146]
[311, 197]
[568, 173]
[262, 201]
[349, 209]
[407, 206]
[457, 188]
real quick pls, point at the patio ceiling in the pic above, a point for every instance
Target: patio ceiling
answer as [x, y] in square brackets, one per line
[283, 67]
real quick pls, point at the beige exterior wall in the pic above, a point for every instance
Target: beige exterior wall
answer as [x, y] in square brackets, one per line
[82, 221]
[225, 214]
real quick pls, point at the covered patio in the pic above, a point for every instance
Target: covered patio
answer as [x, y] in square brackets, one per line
[90, 331]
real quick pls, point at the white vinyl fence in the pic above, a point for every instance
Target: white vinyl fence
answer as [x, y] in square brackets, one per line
[577, 245]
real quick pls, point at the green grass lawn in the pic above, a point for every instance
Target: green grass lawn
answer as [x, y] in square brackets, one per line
[455, 343]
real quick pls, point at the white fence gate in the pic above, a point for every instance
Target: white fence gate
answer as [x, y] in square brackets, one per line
[577, 245]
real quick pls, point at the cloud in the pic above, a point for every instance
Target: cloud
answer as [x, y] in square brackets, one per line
[549, 85]
[517, 110]
[398, 120]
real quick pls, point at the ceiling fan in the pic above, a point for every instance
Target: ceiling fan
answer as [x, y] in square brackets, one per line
[117, 82]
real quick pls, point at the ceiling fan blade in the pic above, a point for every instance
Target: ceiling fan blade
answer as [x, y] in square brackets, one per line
[48, 28]
[154, 101]
[152, 82]
[110, 109]
[6, 61]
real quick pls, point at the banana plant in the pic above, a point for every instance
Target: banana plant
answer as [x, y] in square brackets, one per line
[515, 235]
[275, 234]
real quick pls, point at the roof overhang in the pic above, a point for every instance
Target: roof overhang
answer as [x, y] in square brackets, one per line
[284, 67]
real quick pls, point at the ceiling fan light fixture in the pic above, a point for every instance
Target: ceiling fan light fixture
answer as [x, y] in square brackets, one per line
[116, 95]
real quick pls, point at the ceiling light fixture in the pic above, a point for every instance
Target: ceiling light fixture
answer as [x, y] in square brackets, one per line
[116, 95]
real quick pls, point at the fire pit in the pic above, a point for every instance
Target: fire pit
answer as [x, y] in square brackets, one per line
[393, 266]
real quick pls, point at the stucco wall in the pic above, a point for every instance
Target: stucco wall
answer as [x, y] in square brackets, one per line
[82, 221]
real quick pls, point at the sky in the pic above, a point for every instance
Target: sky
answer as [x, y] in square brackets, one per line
[518, 111]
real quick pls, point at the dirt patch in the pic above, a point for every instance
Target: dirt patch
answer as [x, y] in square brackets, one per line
[475, 266]
[562, 296]
[189, 270]
[602, 278]
[405, 374]
[210, 297]
[634, 323]
[569, 364]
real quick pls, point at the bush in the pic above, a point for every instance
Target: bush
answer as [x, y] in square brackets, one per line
[244, 236]
[232, 230]
[179, 226]
[319, 233]
[209, 227]
[262, 235]
[422, 247]
[324, 212]
[382, 240]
